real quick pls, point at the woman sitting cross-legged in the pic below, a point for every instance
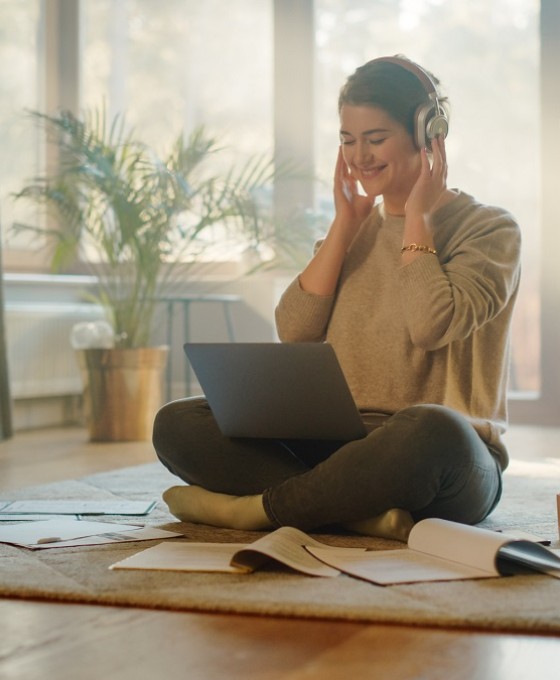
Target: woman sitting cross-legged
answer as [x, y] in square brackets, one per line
[414, 286]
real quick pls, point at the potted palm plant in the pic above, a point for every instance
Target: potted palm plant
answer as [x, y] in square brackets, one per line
[134, 220]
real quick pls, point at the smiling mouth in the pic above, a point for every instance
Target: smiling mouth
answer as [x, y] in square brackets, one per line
[369, 173]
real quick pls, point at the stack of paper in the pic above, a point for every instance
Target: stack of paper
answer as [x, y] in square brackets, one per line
[64, 533]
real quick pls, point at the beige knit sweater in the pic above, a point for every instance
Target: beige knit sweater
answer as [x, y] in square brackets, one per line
[433, 331]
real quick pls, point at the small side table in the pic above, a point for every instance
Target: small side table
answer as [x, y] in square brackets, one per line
[185, 302]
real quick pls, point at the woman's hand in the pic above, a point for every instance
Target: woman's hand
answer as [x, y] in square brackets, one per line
[431, 185]
[429, 191]
[351, 207]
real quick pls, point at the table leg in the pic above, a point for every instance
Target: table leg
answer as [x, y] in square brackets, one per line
[186, 338]
[169, 368]
[229, 321]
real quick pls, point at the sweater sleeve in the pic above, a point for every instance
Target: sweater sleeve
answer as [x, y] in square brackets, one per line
[302, 316]
[477, 273]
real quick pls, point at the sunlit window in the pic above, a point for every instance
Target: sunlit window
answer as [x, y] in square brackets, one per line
[173, 65]
[486, 55]
[20, 48]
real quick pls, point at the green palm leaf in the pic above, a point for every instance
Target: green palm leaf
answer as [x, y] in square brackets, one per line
[133, 217]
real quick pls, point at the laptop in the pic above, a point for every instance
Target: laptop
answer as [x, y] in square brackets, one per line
[276, 390]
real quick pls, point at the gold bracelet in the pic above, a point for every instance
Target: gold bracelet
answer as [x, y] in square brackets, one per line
[414, 247]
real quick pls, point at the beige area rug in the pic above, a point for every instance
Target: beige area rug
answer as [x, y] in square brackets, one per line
[521, 603]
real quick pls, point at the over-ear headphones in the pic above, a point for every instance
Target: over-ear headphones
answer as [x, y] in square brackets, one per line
[430, 119]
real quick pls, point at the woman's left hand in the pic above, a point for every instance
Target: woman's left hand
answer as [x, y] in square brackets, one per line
[432, 182]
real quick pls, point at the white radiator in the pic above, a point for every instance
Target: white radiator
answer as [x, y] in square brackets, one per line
[41, 361]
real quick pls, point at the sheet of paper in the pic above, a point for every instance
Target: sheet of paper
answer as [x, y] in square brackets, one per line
[205, 557]
[51, 531]
[79, 507]
[136, 534]
[386, 567]
[285, 545]
[5, 517]
[467, 545]
[288, 546]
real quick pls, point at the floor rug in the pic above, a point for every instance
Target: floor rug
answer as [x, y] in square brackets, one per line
[519, 603]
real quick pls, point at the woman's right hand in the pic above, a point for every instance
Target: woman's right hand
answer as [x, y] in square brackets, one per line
[351, 207]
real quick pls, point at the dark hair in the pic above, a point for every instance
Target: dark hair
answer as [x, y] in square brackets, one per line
[391, 87]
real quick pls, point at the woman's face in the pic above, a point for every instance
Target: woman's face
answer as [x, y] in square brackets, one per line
[380, 154]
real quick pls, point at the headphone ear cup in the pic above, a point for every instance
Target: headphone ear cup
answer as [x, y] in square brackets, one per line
[437, 126]
[429, 123]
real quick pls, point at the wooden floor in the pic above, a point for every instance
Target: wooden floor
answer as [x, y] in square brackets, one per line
[44, 641]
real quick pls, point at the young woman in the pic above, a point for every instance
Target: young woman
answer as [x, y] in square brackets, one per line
[415, 292]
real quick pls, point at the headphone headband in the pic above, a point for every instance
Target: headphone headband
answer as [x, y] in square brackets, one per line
[416, 70]
[430, 120]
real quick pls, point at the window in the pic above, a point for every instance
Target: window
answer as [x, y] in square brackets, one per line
[486, 56]
[173, 65]
[21, 40]
[169, 67]
[245, 69]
